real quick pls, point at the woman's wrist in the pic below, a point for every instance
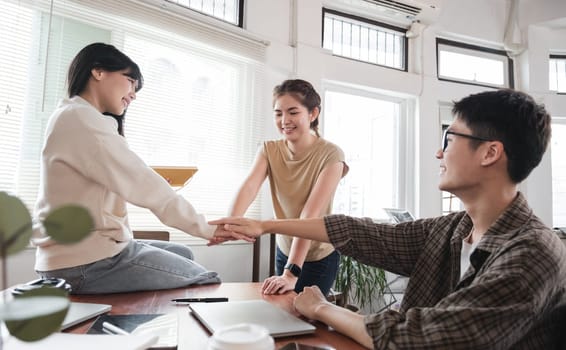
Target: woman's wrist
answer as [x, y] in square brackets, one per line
[266, 226]
[289, 274]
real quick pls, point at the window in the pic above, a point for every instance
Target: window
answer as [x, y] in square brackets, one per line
[558, 148]
[450, 203]
[372, 131]
[470, 64]
[203, 114]
[230, 11]
[364, 40]
[14, 62]
[557, 73]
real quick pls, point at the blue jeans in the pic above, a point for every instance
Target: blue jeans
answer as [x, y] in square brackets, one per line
[321, 273]
[142, 265]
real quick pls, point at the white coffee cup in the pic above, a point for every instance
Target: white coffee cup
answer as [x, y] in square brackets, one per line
[243, 336]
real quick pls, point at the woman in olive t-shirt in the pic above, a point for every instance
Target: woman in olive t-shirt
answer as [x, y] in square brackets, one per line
[303, 171]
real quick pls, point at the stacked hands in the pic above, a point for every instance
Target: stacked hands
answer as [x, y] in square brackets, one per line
[234, 228]
[308, 302]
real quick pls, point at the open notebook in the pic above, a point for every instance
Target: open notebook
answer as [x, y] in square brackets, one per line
[163, 326]
[279, 322]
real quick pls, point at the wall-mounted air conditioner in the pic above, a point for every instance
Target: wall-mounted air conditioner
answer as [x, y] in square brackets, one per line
[400, 12]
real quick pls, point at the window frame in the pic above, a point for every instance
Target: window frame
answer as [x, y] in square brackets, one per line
[405, 186]
[477, 51]
[251, 107]
[371, 22]
[446, 119]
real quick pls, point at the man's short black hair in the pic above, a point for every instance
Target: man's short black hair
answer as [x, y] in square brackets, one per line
[515, 119]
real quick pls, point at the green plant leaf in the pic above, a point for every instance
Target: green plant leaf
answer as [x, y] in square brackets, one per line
[68, 224]
[35, 314]
[15, 224]
[358, 282]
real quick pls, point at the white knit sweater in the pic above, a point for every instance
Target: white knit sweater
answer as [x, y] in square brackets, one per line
[86, 162]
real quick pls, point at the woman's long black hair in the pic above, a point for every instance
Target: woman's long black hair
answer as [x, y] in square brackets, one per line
[105, 57]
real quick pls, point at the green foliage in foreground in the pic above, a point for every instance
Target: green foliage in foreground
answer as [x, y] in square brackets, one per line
[39, 312]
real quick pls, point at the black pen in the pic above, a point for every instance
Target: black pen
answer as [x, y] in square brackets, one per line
[199, 300]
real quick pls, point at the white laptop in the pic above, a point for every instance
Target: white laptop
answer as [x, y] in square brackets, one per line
[399, 215]
[279, 322]
[79, 312]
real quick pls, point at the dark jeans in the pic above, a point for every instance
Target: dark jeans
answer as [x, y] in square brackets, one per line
[321, 273]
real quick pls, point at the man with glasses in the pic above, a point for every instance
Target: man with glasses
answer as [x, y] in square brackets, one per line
[490, 277]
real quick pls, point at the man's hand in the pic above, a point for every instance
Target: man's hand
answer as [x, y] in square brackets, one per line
[221, 235]
[309, 301]
[239, 226]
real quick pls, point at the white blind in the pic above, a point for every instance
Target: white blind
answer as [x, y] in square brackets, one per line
[13, 71]
[199, 106]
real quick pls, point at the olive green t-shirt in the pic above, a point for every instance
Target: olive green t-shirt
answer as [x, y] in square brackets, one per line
[292, 179]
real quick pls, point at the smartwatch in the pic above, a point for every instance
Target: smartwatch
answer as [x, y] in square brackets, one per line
[295, 269]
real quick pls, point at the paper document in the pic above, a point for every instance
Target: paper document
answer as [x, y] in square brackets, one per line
[59, 341]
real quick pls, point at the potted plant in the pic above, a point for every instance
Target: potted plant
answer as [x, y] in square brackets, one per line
[39, 312]
[359, 284]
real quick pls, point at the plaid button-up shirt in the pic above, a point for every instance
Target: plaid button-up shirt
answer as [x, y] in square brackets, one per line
[507, 299]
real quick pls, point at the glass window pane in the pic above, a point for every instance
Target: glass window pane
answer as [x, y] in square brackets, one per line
[328, 33]
[557, 74]
[226, 10]
[381, 49]
[347, 39]
[552, 75]
[480, 66]
[364, 44]
[561, 76]
[355, 41]
[214, 95]
[337, 37]
[450, 203]
[389, 49]
[364, 40]
[371, 146]
[398, 52]
[16, 41]
[372, 46]
[466, 67]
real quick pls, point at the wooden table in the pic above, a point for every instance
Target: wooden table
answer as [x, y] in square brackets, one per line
[192, 335]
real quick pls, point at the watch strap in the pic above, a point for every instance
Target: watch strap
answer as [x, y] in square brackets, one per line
[294, 269]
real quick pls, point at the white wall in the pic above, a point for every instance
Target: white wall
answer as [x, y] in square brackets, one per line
[20, 267]
[300, 55]
[481, 21]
